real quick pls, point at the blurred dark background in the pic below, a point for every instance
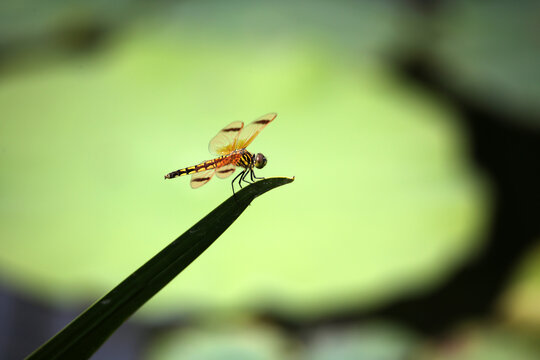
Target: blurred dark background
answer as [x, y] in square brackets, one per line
[413, 128]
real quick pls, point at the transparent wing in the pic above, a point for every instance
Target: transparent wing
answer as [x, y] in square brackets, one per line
[250, 132]
[225, 171]
[201, 178]
[225, 140]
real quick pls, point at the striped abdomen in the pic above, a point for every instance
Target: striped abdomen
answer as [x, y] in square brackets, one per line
[236, 158]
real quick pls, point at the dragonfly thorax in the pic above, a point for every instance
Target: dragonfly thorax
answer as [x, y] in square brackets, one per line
[248, 160]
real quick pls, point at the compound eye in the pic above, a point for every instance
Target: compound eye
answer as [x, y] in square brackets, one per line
[260, 161]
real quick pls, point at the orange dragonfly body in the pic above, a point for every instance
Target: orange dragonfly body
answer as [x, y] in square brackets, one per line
[230, 144]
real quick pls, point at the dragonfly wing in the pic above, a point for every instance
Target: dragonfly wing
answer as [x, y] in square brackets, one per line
[201, 178]
[225, 140]
[225, 171]
[250, 132]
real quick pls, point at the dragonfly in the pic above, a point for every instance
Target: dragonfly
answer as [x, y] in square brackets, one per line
[230, 145]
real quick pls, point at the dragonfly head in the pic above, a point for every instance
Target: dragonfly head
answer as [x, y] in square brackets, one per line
[260, 161]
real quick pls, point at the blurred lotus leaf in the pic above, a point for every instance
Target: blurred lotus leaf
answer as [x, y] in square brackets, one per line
[383, 201]
[521, 302]
[381, 342]
[484, 343]
[241, 343]
[489, 50]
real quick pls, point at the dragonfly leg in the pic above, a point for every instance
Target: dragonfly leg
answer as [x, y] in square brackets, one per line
[253, 176]
[243, 178]
[242, 174]
[232, 183]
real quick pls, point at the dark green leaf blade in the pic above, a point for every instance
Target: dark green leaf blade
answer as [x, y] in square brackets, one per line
[84, 335]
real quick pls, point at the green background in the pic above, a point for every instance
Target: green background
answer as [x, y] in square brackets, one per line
[385, 200]
[87, 142]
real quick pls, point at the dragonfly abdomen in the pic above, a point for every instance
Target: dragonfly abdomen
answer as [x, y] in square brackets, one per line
[207, 165]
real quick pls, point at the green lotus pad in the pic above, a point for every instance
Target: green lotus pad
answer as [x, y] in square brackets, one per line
[383, 198]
